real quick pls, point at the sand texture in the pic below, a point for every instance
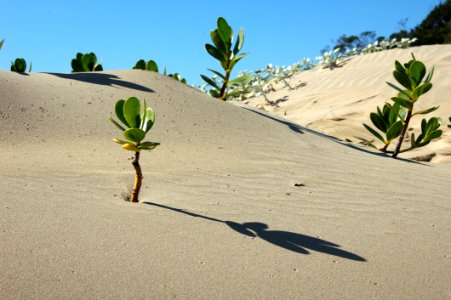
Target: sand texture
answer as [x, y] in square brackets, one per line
[236, 203]
[336, 102]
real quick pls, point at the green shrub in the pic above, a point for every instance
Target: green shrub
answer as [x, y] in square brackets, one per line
[135, 126]
[20, 65]
[177, 77]
[85, 63]
[149, 65]
[394, 120]
[221, 50]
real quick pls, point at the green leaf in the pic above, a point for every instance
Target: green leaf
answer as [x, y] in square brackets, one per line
[132, 112]
[236, 59]
[426, 111]
[1, 43]
[399, 67]
[420, 90]
[219, 44]
[119, 110]
[225, 32]
[89, 60]
[394, 130]
[29, 70]
[398, 89]
[379, 122]
[403, 79]
[149, 119]
[135, 135]
[217, 73]
[429, 76]
[209, 81]
[140, 65]
[215, 53]
[116, 123]
[403, 102]
[148, 145]
[152, 66]
[417, 71]
[393, 116]
[243, 79]
[375, 133]
[239, 42]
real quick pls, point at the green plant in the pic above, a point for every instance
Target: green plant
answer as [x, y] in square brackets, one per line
[177, 77]
[389, 122]
[135, 126]
[20, 65]
[394, 120]
[221, 50]
[149, 65]
[1, 43]
[85, 63]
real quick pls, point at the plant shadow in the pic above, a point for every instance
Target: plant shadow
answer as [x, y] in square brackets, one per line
[102, 79]
[295, 242]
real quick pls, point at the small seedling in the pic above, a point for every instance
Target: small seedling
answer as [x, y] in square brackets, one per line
[135, 125]
[85, 63]
[177, 77]
[222, 38]
[394, 120]
[149, 65]
[20, 65]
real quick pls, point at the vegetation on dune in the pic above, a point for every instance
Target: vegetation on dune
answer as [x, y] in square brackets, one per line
[135, 125]
[228, 57]
[393, 120]
[85, 63]
[149, 65]
[19, 65]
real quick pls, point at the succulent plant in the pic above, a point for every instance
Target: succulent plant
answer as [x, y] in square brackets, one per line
[389, 122]
[85, 63]
[135, 125]
[20, 65]
[222, 38]
[149, 65]
[394, 120]
[177, 77]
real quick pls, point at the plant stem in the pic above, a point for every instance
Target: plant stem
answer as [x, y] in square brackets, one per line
[403, 133]
[138, 178]
[224, 86]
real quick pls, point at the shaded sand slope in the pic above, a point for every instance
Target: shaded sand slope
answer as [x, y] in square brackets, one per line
[235, 203]
[338, 101]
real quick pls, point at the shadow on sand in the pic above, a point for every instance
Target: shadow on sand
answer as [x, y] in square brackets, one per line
[292, 241]
[102, 79]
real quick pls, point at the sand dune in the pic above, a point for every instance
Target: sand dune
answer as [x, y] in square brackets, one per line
[338, 101]
[236, 203]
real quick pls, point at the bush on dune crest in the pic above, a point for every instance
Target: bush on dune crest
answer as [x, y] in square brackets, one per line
[19, 65]
[85, 63]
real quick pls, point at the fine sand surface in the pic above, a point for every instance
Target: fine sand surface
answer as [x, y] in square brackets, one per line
[236, 204]
[336, 102]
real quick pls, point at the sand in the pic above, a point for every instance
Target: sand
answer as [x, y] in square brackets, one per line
[236, 203]
[337, 102]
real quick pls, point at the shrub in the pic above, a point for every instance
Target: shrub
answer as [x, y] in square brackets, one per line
[222, 38]
[149, 65]
[20, 65]
[85, 63]
[137, 125]
[177, 77]
[394, 120]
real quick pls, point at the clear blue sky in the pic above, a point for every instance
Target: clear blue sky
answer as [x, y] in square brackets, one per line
[173, 33]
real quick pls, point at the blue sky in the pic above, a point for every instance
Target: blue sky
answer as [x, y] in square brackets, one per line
[173, 33]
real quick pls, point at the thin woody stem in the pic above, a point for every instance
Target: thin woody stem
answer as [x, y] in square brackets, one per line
[138, 178]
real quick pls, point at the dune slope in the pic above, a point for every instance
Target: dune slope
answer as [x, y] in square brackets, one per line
[235, 203]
